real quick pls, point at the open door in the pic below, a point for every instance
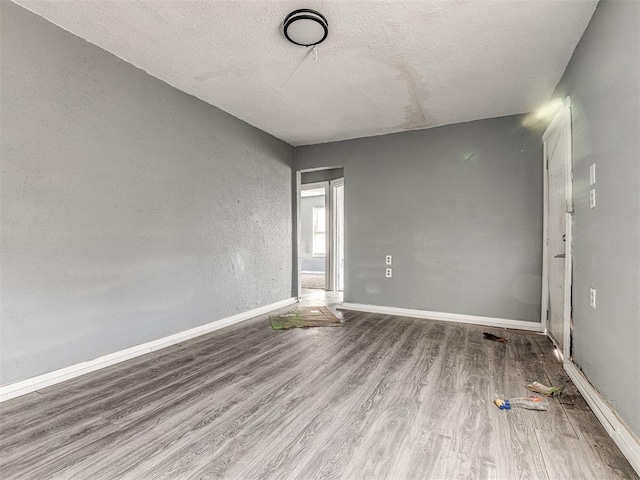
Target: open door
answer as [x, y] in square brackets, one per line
[336, 250]
[558, 208]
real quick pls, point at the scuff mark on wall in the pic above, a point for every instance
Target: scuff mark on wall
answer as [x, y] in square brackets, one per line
[236, 265]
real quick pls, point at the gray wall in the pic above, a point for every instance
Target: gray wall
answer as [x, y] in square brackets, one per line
[129, 210]
[603, 79]
[325, 175]
[309, 262]
[460, 209]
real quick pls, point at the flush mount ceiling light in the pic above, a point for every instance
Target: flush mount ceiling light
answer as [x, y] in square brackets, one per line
[306, 27]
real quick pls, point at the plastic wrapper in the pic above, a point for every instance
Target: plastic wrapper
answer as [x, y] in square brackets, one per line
[531, 402]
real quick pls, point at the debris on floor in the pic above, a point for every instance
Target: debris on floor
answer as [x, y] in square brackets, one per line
[304, 317]
[493, 338]
[532, 402]
[544, 390]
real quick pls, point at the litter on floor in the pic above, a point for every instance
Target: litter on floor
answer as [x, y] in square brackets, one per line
[494, 338]
[304, 317]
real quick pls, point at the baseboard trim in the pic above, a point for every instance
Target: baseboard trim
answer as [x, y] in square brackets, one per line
[445, 317]
[29, 385]
[628, 443]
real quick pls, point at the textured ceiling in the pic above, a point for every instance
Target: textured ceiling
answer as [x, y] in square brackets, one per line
[386, 66]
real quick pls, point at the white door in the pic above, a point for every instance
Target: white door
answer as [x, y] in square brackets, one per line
[340, 237]
[557, 151]
[337, 241]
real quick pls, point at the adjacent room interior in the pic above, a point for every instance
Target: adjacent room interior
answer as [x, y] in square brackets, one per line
[321, 241]
[454, 187]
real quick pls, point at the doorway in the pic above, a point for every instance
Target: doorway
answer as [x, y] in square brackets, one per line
[558, 210]
[320, 207]
[313, 235]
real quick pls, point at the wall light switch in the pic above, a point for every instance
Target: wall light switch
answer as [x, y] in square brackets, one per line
[387, 260]
[592, 174]
[592, 198]
[388, 273]
[592, 297]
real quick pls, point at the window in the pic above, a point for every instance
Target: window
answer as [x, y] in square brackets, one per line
[318, 232]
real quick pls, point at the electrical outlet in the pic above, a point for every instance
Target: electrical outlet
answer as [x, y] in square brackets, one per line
[592, 174]
[388, 273]
[387, 260]
[592, 297]
[592, 198]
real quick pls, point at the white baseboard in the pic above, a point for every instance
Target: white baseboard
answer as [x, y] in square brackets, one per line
[29, 385]
[628, 443]
[445, 317]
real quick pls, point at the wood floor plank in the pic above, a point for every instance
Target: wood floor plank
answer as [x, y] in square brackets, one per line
[263, 423]
[272, 381]
[597, 449]
[181, 412]
[383, 398]
[60, 444]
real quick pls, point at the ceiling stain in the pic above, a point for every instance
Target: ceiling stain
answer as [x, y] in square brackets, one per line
[389, 49]
[416, 113]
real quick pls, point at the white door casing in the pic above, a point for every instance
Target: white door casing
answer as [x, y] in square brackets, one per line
[558, 209]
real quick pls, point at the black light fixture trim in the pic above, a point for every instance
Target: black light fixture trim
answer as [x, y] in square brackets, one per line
[299, 15]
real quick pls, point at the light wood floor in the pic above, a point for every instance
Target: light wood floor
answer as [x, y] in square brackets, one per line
[383, 397]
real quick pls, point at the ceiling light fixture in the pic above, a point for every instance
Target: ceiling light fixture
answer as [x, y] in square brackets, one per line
[306, 27]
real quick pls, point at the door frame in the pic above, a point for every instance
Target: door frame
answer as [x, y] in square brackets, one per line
[334, 267]
[312, 186]
[562, 119]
